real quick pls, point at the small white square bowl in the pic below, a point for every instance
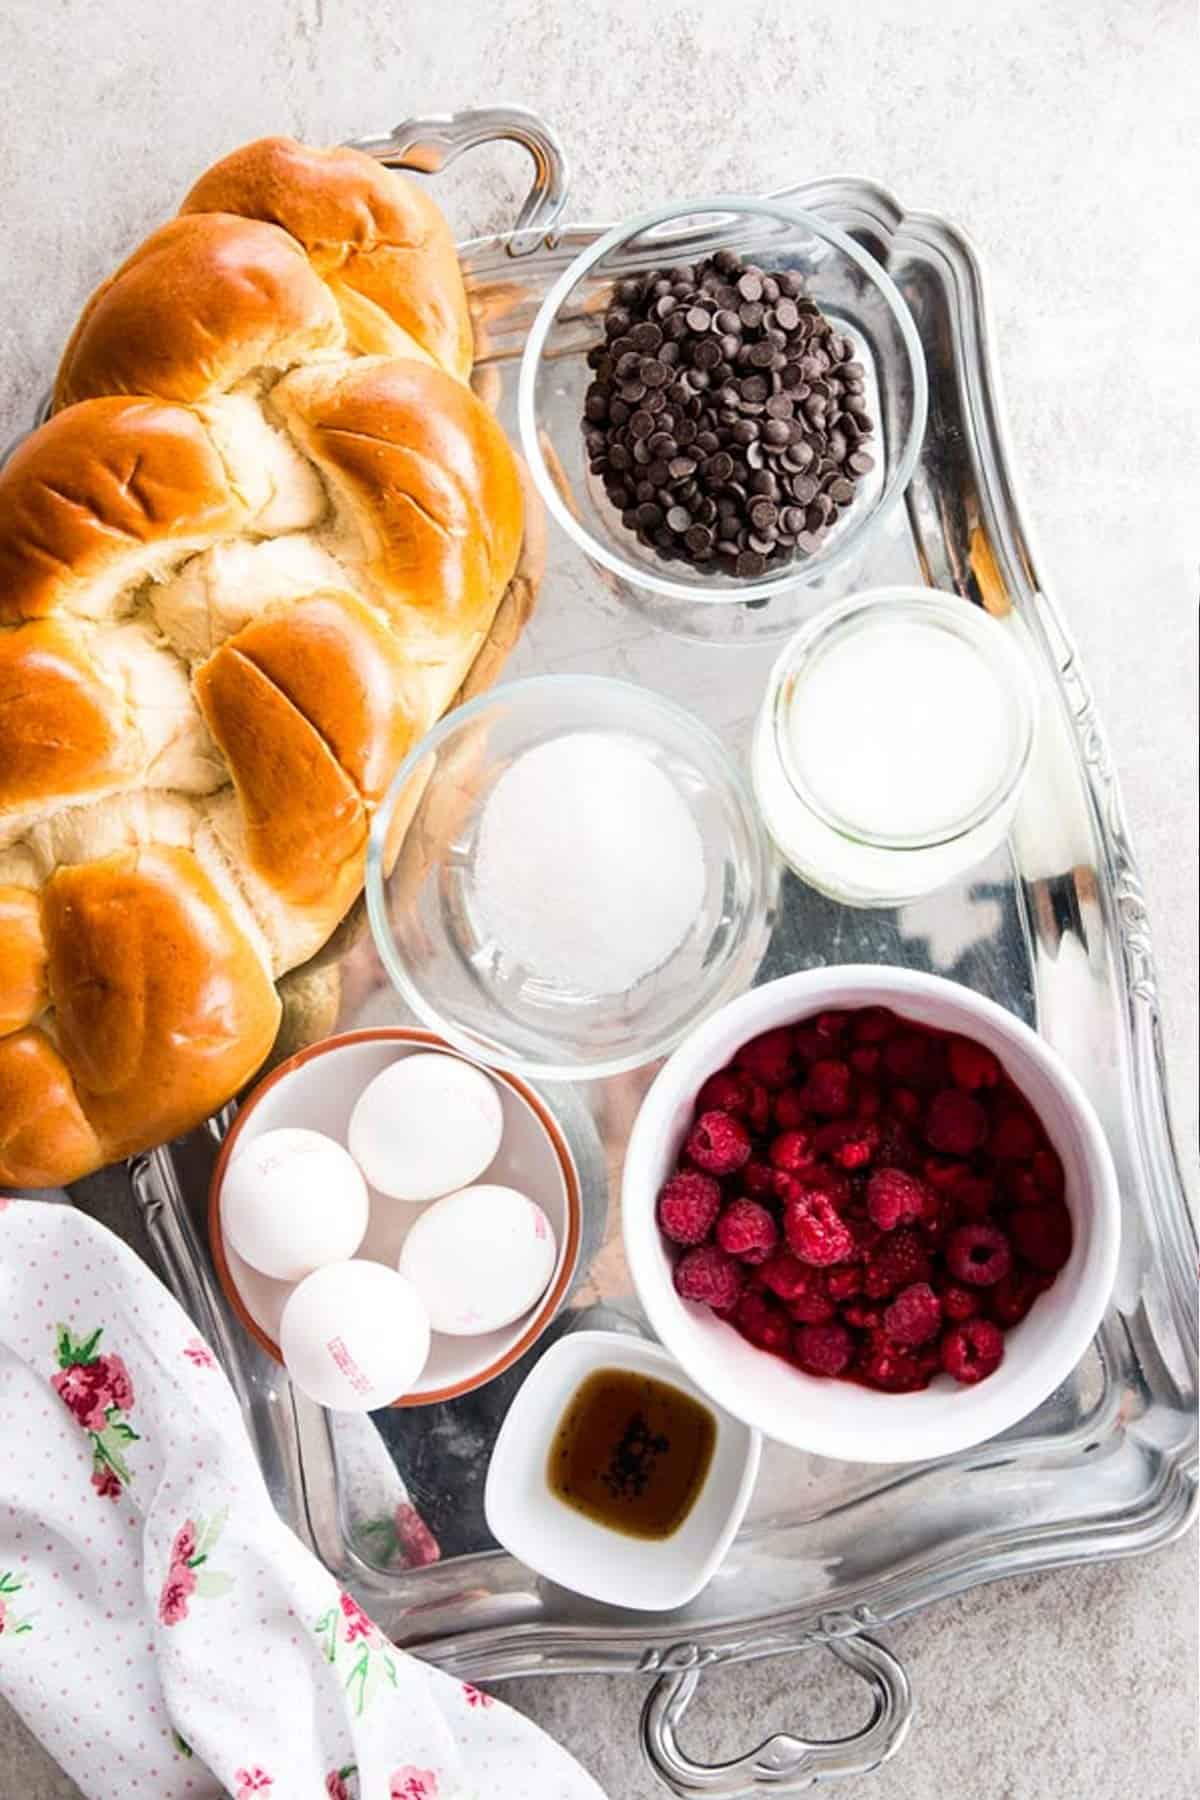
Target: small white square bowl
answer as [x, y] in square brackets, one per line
[527, 1518]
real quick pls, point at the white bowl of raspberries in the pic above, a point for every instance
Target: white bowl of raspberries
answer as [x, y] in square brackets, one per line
[871, 1213]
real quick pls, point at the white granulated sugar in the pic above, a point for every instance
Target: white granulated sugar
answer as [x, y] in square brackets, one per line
[589, 869]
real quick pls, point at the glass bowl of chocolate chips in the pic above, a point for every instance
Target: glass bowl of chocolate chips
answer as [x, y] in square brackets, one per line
[720, 402]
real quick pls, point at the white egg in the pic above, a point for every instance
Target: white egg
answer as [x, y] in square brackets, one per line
[354, 1335]
[479, 1259]
[292, 1200]
[426, 1125]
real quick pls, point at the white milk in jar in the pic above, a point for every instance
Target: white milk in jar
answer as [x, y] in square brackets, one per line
[892, 742]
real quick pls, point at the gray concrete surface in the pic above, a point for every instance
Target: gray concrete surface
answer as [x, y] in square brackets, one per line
[1061, 133]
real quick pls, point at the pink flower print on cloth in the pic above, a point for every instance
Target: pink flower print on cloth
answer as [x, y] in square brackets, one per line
[199, 1354]
[251, 1782]
[105, 1482]
[475, 1696]
[357, 1648]
[342, 1784]
[12, 1624]
[358, 1625]
[177, 1590]
[413, 1784]
[188, 1572]
[98, 1391]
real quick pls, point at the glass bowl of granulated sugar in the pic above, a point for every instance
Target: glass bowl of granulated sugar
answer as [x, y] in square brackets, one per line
[566, 875]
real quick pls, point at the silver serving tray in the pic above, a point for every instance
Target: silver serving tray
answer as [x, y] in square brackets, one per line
[1053, 926]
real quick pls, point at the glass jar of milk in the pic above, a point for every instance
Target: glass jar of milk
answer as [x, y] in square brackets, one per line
[892, 743]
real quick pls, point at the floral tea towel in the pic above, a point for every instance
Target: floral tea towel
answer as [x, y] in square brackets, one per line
[161, 1630]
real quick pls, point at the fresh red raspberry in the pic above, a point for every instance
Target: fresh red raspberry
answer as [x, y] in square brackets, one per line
[959, 1303]
[816, 1177]
[813, 1308]
[726, 1091]
[786, 1276]
[828, 1088]
[823, 1349]
[937, 1216]
[811, 1045]
[894, 1198]
[762, 1322]
[788, 1187]
[791, 1151]
[979, 1255]
[943, 1172]
[758, 1111]
[914, 1316]
[913, 1058]
[814, 1231]
[974, 1198]
[956, 1124]
[788, 1109]
[896, 1149]
[867, 1237]
[971, 1066]
[707, 1274]
[836, 1184]
[868, 1102]
[903, 1104]
[1048, 1173]
[757, 1177]
[843, 1282]
[1013, 1295]
[900, 1260]
[864, 1059]
[973, 1350]
[896, 1370]
[1042, 1235]
[1018, 1186]
[1014, 1137]
[831, 1028]
[748, 1230]
[718, 1143]
[850, 1143]
[863, 1315]
[770, 1058]
[688, 1205]
[735, 1092]
[872, 1024]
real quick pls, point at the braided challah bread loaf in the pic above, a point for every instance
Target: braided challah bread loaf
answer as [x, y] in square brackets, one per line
[252, 556]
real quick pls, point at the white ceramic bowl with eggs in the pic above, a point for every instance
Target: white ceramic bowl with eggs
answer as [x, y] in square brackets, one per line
[838, 1418]
[317, 1090]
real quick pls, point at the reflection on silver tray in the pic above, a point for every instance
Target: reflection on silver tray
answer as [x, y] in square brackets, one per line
[1053, 927]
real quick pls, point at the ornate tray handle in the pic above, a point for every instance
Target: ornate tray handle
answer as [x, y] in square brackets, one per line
[783, 1764]
[434, 142]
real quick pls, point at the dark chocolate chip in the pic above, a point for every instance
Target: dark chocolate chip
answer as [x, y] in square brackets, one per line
[646, 337]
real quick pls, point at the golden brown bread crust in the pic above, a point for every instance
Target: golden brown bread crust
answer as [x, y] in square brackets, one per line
[427, 475]
[144, 957]
[204, 302]
[373, 236]
[306, 827]
[22, 958]
[45, 1138]
[66, 743]
[89, 494]
[225, 616]
[345, 672]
